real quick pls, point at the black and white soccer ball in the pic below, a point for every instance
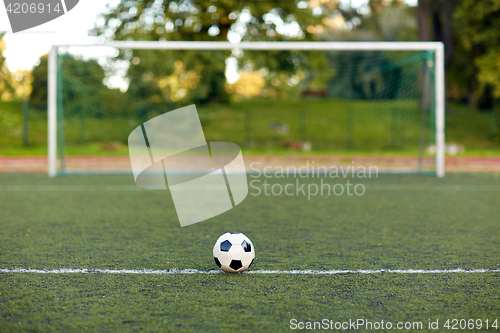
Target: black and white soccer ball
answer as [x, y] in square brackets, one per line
[234, 252]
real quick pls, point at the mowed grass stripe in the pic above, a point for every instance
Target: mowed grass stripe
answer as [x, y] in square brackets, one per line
[196, 271]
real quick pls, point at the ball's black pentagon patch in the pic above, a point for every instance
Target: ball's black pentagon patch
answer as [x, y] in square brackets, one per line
[234, 233]
[251, 263]
[236, 264]
[217, 262]
[246, 246]
[225, 246]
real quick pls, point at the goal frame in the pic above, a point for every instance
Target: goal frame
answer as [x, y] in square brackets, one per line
[436, 47]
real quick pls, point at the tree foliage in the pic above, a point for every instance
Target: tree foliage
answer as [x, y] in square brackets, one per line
[192, 20]
[6, 89]
[83, 90]
[470, 32]
[200, 75]
[480, 37]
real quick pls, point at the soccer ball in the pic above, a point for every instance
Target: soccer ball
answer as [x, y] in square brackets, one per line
[233, 252]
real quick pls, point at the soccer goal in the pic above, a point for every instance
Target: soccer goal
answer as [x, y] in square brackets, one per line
[372, 103]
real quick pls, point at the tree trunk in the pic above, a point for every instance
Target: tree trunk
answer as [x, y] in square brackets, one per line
[424, 35]
[472, 99]
[423, 21]
[447, 33]
[436, 24]
[474, 87]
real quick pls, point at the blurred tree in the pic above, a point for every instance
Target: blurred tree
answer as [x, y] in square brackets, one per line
[21, 83]
[375, 21]
[470, 31]
[83, 89]
[435, 24]
[201, 20]
[38, 96]
[366, 75]
[390, 21]
[6, 89]
[250, 84]
[83, 86]
[480, 37]
[459, 24]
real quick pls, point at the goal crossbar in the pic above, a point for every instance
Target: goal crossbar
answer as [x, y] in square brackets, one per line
[436, 47]
[341, 46]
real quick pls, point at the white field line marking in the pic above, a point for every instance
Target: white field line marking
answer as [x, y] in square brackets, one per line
[104, 188]
[196, 271]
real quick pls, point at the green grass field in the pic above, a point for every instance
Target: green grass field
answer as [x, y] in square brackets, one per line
[401, 222]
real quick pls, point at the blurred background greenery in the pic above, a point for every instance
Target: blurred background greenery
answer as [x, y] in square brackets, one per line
[156, 81]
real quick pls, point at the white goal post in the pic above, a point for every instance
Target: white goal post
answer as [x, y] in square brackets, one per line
[436, 47]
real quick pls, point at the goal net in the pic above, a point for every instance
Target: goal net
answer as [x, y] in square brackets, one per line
[370, 104]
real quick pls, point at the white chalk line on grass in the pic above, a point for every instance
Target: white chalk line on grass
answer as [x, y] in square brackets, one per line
[292, 272]
[105, 188]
